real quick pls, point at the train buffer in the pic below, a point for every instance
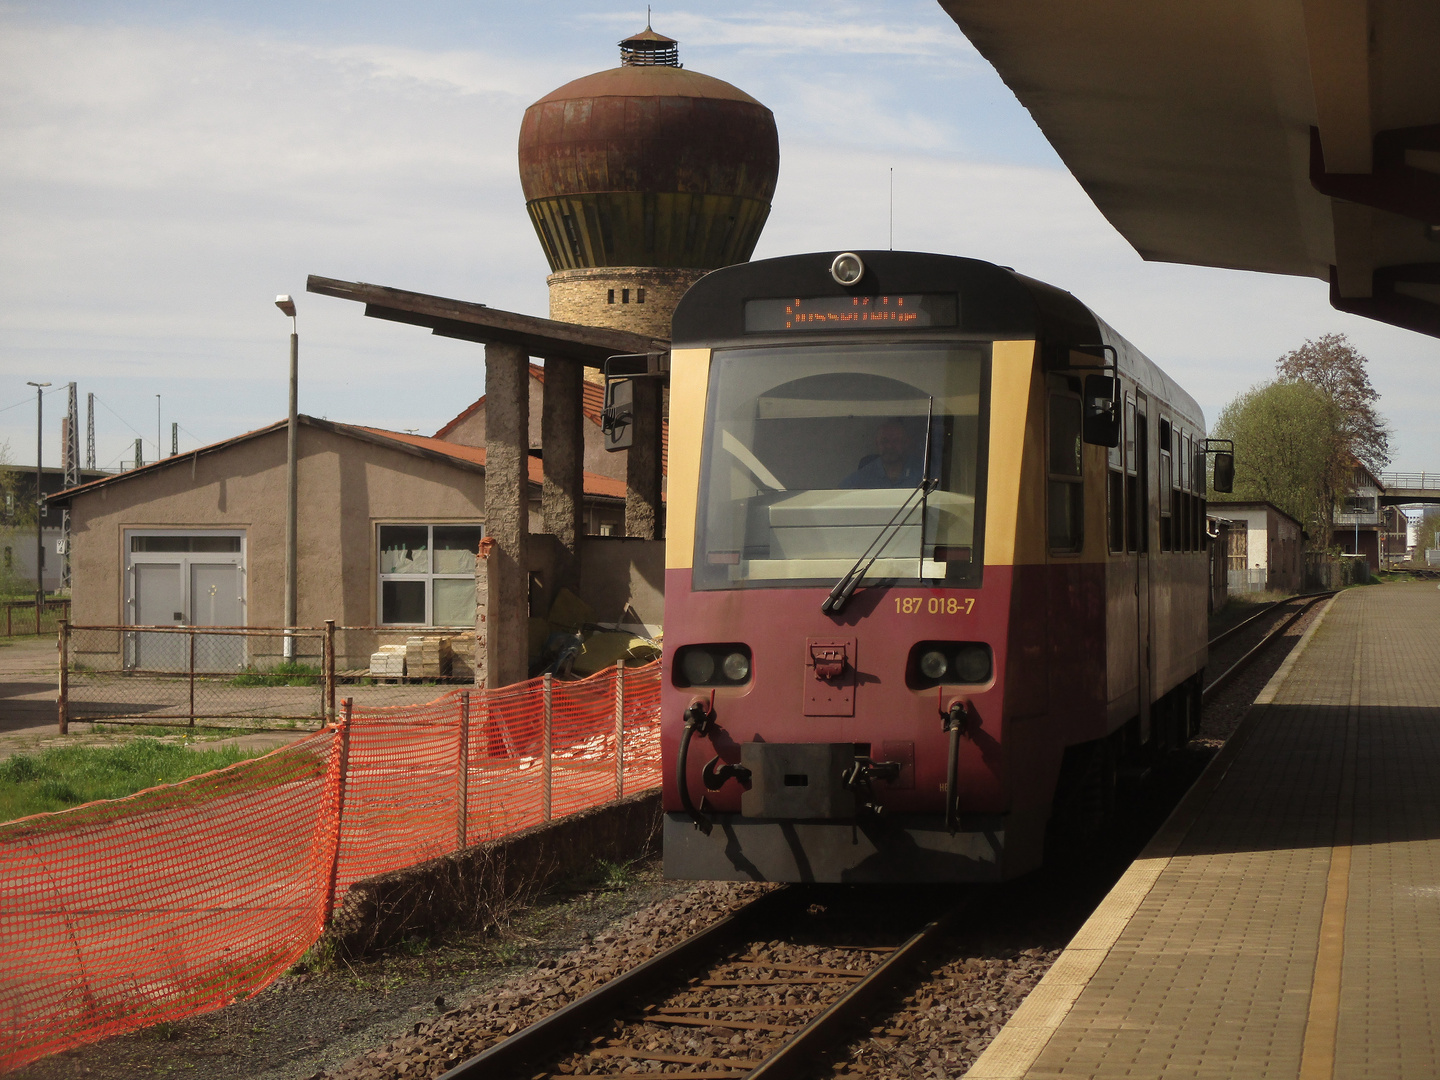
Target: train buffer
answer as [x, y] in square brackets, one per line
[1286, 920]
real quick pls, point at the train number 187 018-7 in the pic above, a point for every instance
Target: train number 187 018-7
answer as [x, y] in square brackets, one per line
[934, 605]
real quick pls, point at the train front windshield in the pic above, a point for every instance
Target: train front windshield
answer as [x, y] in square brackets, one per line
[818, 455]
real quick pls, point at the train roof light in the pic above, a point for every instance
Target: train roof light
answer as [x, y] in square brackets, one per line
[848, 268]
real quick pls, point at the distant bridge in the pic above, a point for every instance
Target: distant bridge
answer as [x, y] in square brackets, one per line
[1403, 488]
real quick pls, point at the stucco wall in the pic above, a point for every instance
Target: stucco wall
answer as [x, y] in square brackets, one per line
[471, 430]
[598, 460]
[616, 571]
[347, 486]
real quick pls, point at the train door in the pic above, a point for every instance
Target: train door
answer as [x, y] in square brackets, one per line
[1140, 509]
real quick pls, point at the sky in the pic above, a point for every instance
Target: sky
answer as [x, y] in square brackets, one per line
[167, 168]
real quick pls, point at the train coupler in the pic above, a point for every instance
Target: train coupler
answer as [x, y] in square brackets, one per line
[715, 778]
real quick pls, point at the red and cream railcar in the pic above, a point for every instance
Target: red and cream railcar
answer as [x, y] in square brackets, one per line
[915, 623]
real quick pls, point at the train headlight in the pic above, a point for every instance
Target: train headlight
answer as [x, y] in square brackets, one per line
[736, 667]
[848, 268]
[948, 663]
[711, 665]
[699, 667]
[972, 663]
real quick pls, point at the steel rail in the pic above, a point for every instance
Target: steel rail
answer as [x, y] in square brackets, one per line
[1223, 679]
[797, 1056]
[1265, 610]
[1243, 623]
[577, 1019]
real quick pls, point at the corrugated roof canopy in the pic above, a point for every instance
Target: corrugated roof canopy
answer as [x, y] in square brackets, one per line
[1285, 136]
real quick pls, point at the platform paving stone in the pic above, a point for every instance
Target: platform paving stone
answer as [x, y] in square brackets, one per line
[1289, 926]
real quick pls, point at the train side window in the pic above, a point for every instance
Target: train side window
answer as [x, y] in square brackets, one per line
[1138, 497]
[1132, 529]
[1182, 462]
[1167, 530]
[1115, 508]
[1066, 486]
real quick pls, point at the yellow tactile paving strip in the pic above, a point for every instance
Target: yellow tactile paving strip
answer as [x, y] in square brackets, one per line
[1288, 916]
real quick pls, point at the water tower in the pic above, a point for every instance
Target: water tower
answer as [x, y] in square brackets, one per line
[641, 179]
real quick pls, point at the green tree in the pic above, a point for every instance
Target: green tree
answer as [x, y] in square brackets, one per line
[1290, 450]
[1425, 530]
[1334, 365]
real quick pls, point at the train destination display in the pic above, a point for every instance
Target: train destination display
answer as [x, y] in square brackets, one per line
[885, 312]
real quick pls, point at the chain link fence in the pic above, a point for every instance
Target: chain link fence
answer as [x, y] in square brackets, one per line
[23, 618]
[170, 675]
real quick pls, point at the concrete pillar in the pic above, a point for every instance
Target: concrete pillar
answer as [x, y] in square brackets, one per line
[642, 467]
[507, 506]
[562, 437]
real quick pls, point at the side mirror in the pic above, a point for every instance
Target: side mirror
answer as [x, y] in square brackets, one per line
[617, 418]
[1101, 426]
[1224, 472]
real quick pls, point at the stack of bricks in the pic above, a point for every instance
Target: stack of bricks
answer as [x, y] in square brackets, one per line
[462, 656]
[427, 657]
[388, 661]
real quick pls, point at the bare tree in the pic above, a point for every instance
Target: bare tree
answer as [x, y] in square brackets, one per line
[1334, 365]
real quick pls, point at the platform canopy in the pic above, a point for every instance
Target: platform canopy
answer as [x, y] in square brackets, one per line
[1284, 136]
[468, 321]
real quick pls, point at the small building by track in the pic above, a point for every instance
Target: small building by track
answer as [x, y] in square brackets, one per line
[389, 527]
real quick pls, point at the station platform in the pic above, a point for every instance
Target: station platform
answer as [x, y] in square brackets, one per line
[1285, 922]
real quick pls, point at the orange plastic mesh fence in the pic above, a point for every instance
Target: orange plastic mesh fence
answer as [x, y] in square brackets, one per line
[184, 898]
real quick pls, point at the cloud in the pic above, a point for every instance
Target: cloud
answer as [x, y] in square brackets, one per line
[159, 184]
[832, 29]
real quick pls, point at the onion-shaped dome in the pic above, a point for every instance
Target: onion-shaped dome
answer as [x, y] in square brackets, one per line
[648, 164]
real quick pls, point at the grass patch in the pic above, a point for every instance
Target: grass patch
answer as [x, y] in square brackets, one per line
[615, 876]
[64, 776]
[285, 673]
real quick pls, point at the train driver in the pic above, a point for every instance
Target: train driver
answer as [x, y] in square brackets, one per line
[897, 462]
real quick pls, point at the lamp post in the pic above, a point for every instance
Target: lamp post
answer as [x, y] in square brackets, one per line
[39, 498]
[287, 305]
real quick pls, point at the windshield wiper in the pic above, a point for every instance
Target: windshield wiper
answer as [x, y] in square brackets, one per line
[835, 602]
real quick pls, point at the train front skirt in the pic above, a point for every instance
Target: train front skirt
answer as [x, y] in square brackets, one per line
[868, 847]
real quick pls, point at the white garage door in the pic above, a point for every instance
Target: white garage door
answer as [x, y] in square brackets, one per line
[185, 579]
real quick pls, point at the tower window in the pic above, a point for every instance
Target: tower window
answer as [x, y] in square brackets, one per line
[640, 295]
[610, 296]
[624, 296]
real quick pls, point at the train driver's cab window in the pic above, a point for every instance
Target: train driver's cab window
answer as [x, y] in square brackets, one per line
[1065, 487]
[815, 455]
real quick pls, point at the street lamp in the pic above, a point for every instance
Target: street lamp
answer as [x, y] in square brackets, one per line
[39, 497]
[287, 305]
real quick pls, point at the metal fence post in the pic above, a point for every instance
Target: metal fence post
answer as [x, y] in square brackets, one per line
[38, 605]
[548, 762]
[343, 732]
[619, 729]
[328, 688]
[9, 620]
[62, 697]
[191, 637]
[462, 782]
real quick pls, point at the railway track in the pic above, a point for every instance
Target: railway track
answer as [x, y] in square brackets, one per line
[1306, 602]
[758, 994]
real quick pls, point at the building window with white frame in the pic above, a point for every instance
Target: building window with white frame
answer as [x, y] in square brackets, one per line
[427, 574]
